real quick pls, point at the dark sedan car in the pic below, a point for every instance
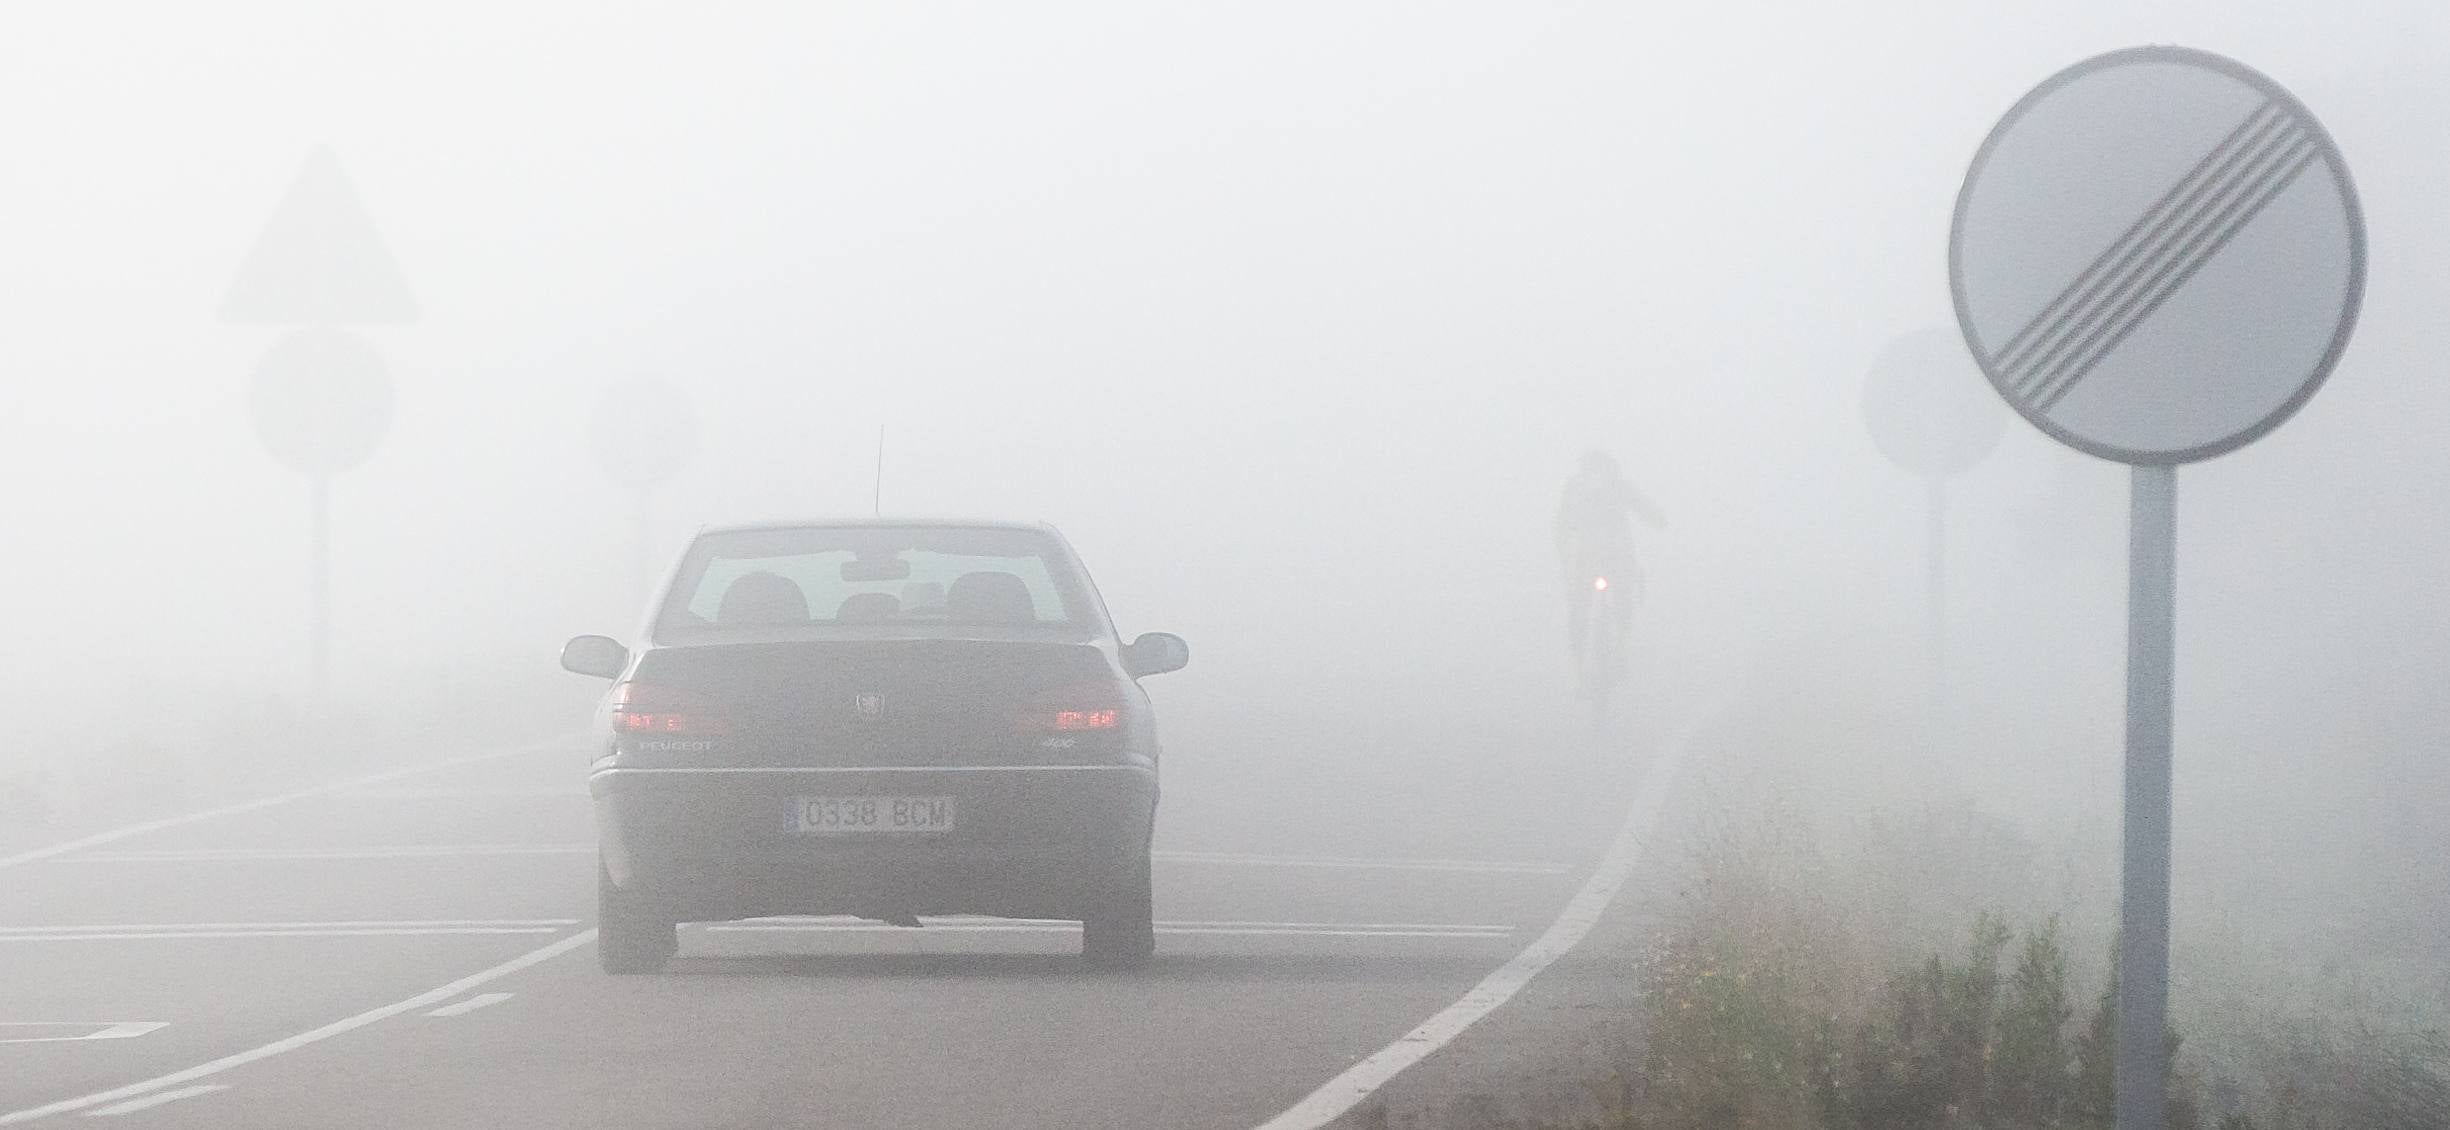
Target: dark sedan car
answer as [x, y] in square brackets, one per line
[879, 718]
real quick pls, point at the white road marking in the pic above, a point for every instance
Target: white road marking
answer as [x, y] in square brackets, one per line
[254, 855]
[126, 927]
[1225, 929]
[427, 999]
[150, 1101]
[548, 792]
[1347, 1090]
[107, 1030]
[116, 834]
[472, 1004]
[394, 932]
[1476, 866]
[453, 851]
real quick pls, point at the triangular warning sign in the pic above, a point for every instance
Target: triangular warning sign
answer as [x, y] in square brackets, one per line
[319, 259]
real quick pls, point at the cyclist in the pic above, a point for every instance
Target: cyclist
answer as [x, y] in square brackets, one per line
[1594, 535]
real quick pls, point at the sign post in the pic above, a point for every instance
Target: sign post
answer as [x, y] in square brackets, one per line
[2157, 258]
[1929, 418]
[321, 402]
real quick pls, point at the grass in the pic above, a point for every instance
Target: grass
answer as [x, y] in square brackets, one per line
[1792, 987]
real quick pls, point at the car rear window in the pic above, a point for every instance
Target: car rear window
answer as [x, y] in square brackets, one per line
[865, 576]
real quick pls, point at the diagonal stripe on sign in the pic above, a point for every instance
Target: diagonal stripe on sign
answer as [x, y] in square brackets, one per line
[2281, 173]
[2087, 284]
[2161, 242]
[2046, 355]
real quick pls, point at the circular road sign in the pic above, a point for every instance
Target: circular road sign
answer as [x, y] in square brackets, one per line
[1926, 406]
[2157, 255]
[643, 433]
[321, 401]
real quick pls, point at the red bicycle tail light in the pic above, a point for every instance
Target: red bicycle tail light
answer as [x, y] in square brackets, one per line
[1599, 584]
[645, 709]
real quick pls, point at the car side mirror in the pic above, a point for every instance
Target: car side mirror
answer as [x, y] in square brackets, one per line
[1155, 654]
[600, 656]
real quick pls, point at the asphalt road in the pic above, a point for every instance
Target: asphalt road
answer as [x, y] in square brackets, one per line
[416, 951]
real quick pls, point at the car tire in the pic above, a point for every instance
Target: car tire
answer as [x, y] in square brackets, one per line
[1123, 934]
[632, 935]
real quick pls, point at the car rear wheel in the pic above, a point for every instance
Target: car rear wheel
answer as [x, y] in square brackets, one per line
[1123, 934]
[632, 935]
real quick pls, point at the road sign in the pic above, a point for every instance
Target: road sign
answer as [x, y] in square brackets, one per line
[1929, 412]
[321, 401]
[319, 259]
[1926, 407]
[2157, 256]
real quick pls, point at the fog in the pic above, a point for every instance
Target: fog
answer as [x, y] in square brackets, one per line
[1293, 317]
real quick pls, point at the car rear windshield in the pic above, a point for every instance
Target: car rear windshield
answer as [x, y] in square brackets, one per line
[762, 581]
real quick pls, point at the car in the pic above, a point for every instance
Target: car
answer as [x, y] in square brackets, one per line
[877, 718]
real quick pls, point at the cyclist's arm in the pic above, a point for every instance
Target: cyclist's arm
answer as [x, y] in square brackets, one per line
[1643, 508]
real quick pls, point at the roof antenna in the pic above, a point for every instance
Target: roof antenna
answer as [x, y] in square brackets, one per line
[880, 471]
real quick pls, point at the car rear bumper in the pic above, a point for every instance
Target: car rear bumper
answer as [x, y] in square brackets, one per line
[1028, 841]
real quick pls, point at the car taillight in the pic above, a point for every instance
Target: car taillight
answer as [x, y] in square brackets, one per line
[1075, 710]
[644, 709]
[1086, 719]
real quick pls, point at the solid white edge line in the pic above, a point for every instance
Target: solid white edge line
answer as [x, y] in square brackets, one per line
[150, 1101]
[472, 1004]
[116, 834]
[1336, 1097]
[426, 999]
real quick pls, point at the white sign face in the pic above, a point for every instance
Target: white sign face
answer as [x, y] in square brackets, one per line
[322, 401]
[644, 433]
[2157, 256]
[1927, 407]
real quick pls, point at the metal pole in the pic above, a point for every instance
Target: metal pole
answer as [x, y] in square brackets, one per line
[1936, 558]
[319, 585]
[2143, 939]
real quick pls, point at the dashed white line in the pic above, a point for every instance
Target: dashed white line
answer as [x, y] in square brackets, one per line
[1356, 1083]
[472, 1004]
[150, 1101]
[427, 999]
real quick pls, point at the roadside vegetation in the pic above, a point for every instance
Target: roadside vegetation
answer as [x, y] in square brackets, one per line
[1796, 985]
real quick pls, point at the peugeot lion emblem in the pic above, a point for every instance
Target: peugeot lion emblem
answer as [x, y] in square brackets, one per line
[869, 704]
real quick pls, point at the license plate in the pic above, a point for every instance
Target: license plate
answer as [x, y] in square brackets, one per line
[858, 815]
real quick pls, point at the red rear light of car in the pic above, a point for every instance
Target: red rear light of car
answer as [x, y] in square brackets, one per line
[1073, 710]
[1086, 719]
[644, 710]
